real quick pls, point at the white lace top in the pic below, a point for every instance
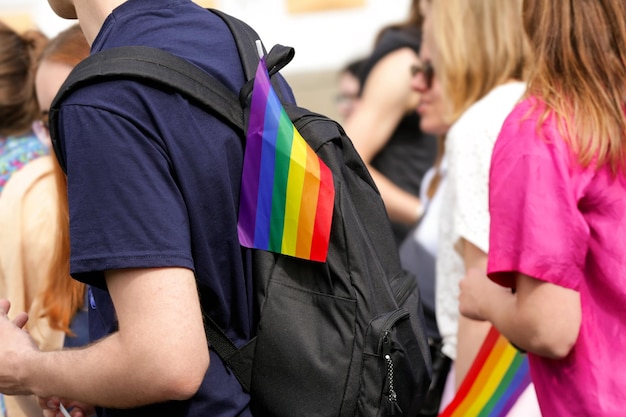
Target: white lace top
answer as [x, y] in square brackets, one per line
[464, 209]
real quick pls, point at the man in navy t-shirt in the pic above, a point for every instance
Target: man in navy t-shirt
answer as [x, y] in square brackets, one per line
[153, 185]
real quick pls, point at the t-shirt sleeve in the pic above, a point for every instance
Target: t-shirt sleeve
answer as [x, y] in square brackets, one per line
[536, 227]
[126, 209]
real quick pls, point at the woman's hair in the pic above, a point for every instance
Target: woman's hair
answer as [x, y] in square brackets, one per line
[579, 50]
[68, 47]
[413, 22]
[18, 61]
[415, 18]
[62, 296]
[477, 45]
[353, 67]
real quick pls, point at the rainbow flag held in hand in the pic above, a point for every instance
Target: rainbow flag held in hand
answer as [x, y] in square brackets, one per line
[497, 378]
[287, 192]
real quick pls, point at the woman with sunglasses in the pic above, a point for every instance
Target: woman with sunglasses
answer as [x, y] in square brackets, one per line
[558, 204]
[480, 56]
[34, 243]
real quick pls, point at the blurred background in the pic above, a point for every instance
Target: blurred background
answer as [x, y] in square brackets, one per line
[326, 34]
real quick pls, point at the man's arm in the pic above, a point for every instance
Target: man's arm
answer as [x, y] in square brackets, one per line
[540, 317]
[159, 353]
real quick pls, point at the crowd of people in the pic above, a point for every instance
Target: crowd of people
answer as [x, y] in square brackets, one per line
[494, 130]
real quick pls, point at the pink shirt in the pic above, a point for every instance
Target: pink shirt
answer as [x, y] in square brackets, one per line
[558, 222]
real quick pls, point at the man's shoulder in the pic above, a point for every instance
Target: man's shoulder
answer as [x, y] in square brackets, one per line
[178, 27]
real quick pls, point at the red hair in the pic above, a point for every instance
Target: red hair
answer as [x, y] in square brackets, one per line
[63, 296]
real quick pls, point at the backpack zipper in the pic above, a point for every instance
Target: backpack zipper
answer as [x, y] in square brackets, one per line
[386, 354]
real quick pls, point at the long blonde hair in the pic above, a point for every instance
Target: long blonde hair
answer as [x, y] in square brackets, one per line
[476, 45]
[579, 50]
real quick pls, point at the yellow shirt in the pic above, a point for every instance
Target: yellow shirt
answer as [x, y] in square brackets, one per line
[28, 222]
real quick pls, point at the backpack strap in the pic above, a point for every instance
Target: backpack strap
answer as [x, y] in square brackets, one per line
[238, 360]
[154, 66]
[245, 38]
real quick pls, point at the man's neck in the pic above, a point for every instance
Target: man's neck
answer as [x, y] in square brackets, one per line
[92, 14]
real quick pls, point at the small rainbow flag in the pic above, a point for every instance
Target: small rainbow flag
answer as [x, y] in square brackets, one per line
[497, 378]
[287, 192]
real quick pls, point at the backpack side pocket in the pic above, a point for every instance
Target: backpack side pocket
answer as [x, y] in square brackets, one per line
[392, 368]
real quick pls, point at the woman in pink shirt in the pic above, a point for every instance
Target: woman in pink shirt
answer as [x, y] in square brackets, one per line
[558, 212]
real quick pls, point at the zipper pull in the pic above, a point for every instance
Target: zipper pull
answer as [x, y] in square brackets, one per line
[393, 398]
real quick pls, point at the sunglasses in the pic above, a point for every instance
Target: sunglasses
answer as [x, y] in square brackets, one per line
[427, 70]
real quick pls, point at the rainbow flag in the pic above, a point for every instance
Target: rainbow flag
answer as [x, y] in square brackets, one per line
[497, 378]
[287, 192]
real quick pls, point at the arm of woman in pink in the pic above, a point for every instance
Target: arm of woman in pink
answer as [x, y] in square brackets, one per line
[538, 238]
[539, 317]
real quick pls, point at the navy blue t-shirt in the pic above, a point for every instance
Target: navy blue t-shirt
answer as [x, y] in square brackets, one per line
[154, 182]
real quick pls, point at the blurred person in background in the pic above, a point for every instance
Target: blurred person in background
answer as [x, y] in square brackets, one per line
[348, 87]
[34, 244]
[480, 55]
[385, 128]
[18, 110]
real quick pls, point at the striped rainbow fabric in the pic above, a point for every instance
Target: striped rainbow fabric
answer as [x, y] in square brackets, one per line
[497, 378]
[287, 192]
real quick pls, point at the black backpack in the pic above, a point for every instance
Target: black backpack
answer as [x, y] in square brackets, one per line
[340, 338]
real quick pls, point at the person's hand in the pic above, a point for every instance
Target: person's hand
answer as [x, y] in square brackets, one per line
[15, 343]
[52, 408]
[476, 292]
[19, 321]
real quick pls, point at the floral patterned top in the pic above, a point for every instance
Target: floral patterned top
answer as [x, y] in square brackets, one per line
[17, 151]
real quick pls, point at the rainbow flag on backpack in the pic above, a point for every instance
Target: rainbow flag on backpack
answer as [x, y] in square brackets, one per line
[497, 378]
[287, 192]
